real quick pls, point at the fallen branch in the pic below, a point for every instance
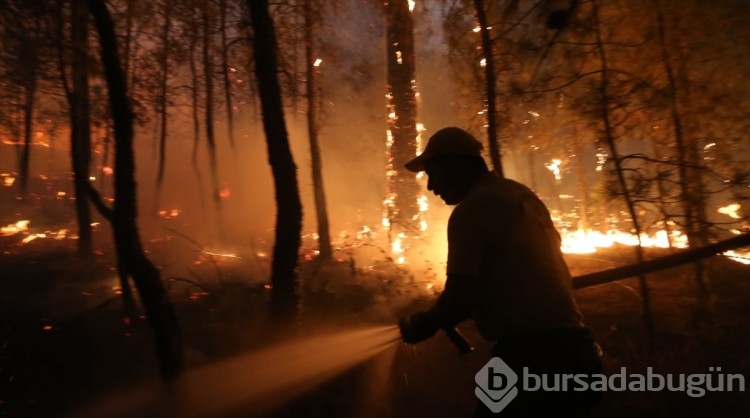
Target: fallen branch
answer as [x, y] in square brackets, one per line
[660, 263]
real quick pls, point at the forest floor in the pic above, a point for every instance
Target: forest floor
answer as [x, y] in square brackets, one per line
[65, 341]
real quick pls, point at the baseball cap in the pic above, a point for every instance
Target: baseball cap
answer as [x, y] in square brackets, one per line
[446, 141]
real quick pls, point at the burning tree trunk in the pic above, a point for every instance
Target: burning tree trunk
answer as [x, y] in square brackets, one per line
[289, 207]
[130, 254]
[489, 74]
[321, 210]
[402, 186]
[608, 131]
[80, 142]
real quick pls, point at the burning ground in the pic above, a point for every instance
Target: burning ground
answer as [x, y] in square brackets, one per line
[68, 346]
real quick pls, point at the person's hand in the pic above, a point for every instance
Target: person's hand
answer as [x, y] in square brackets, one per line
[418, 327]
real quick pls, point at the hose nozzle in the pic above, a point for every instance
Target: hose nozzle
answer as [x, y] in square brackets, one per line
[455, 336]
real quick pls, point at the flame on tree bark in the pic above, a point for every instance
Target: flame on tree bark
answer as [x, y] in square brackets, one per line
[289, 207]
[130, 254]
[489, 74]
[402, 184]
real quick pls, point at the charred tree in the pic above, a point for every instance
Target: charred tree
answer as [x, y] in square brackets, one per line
[321, 209]
[284, 297]
[80, 142]
[402, 186]
[130, 254]
[489, 75]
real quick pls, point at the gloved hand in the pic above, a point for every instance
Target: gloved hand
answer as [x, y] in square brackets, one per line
[418, 327]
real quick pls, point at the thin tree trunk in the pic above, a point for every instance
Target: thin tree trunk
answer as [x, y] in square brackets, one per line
[194, 79]
[209, 105]
[690, 183]
[661, 189]
[321, 209]
[225, 72]
[289, 208]
[608, 132]
[81, 126]
[32, 65]
[163, 99]
[130, 254]
[581, 178]
[489, 74]
[128, 39]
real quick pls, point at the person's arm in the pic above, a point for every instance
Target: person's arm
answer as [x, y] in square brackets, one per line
[454, 305]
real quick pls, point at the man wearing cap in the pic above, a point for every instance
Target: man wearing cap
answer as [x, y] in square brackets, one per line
[506, 272]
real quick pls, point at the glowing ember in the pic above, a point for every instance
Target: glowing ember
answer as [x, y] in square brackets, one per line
[16, 228]
[107, 171]
[739, 256]
[225, 193]
[168, 214]
[32, 237]
[220, 254]
[730, 210]
[554, 167]
[317, 62]
[8, 180]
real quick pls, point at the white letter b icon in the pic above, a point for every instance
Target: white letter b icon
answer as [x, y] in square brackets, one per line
[496, 384]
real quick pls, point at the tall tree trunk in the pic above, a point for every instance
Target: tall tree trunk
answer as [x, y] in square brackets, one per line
[608, 132]
[130, 254]
[402, 187]
[128, 39]
[583, 191]
[32, 64]
[489, 76]
[321, 210]
[225, 72]
[208, 73]
[80, 124]
[289, 208]
[164, 86]
[194, 82]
